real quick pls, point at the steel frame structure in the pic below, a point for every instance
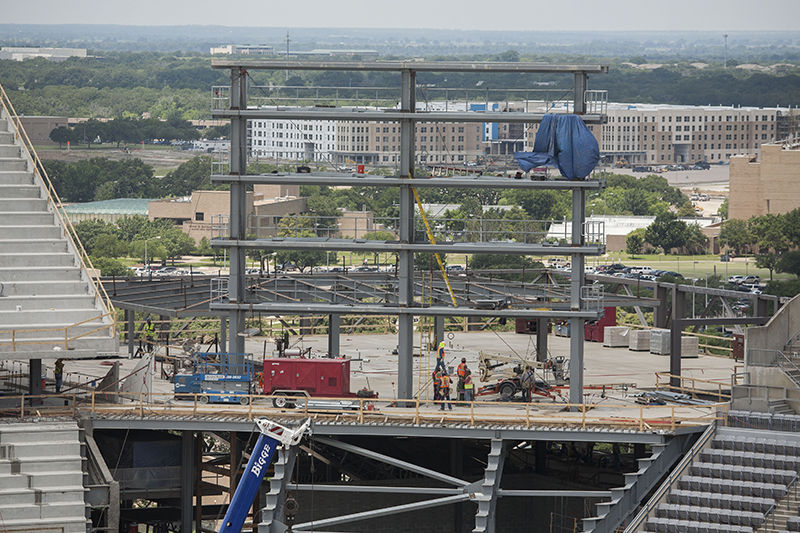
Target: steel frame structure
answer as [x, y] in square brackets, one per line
[238, 111]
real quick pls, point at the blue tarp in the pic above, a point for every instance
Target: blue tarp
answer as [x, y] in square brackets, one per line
[565, 142]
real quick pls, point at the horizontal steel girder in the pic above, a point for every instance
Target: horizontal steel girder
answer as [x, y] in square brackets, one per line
[289, 308]
[455, 182]
[389, 115]
[350, 245]
[416, 66]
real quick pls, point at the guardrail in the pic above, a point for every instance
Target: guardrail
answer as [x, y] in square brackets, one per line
[64, 337]
[368, 410]
[54, 200]
[689, 385]
[676, 473]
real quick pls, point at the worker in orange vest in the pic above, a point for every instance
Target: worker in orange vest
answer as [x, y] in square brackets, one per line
[437, 382]
[469, 387]
[461, 371]
[444, 391]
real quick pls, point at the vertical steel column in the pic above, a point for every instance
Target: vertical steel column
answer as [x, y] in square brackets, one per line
[35, 379]
[334, 327]
[660, 317]
[131, 332]
[438, 330]
[541, 339]
[405, 267]
[581, 84]
[223, 334]
[238, 209]
[678, 310]
[577, 280]
[187, 481]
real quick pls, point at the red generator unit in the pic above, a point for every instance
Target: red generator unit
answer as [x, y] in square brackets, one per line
[595, 331]
[318, 377]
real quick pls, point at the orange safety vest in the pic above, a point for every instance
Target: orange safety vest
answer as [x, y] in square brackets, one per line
[462, 370]
[437, 380]
[445, 382]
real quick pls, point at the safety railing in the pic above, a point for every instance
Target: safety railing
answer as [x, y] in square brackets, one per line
[367, 410]
[592, 297]
[55, 201]
[594, 232]
[776, 358]
[439, 99]
[16, 335]
[365, 226]
[641, 517]
[694, 386]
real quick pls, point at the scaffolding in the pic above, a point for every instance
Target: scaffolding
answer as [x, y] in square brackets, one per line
[232, 103]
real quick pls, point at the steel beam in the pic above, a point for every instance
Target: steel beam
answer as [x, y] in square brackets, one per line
[291, 308]
[676, 328]
[376, 489]
[473, 181]
[377, 513]
[579, 91]
[438, 476]
[334, 327]
[554, 493]
[724, 321]
[541, 339]
[576, 333]
[489, 488]
[408, 246]
[389, 115]
[457, 431]
[238, 209]
[187, 481]
[419, 66]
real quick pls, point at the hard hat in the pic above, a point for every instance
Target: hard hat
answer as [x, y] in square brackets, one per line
[441, 344]
[148, 319]
[463, 359]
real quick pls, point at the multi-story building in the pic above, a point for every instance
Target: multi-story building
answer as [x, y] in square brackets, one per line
[664, 134]
[243, 49]
[306, 140]
[767, 184]
[650, 134]
[378, 143]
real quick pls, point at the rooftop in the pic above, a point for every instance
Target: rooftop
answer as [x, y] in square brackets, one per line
[118, 206]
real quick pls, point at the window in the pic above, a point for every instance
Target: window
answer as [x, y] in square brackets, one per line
[199, 215]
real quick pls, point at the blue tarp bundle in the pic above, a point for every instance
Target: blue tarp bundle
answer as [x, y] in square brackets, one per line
[565, 142]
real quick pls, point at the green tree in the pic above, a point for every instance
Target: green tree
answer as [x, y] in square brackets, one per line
[110, 267]
[770, 233]
[789, 262]
[723, 209]
[696, 241]
[736, 234]
[60, 135]
[108, 245]
[177, 243]
[634, 243]
[666, 232]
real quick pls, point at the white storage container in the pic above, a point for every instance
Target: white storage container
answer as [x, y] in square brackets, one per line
[659, 341]
[616, 336]
[639, 340]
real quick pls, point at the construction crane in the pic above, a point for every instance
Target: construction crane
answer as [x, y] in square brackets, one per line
[272, 435]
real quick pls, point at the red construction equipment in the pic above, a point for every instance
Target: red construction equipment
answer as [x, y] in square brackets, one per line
[318, 377]
[595, 330]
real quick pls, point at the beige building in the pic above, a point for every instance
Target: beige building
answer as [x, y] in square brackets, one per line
[378, 143]
[38, 128]
[769, 184]
[200, 213]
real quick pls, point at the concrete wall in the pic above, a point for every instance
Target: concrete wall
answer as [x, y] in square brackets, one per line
[765, 186]
[760, 340]
[39, 128]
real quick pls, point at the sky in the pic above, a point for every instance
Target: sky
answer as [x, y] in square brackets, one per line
[563, 15]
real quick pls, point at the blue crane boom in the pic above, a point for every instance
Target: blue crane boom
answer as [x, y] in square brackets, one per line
[272, 435]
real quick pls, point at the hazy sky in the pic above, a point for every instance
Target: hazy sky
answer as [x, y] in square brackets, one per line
[710, 15]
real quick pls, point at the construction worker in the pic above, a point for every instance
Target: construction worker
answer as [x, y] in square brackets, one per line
[59, 374]
[469, 387]
[528, 382]
[440, 358]
[444, 391]
[437, 382]
[150, 335]
[462, 372]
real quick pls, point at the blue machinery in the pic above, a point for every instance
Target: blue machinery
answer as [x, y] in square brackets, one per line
[272, 435]
[217, 378]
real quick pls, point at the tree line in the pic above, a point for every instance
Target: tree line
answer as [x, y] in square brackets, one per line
[774, 239]
[124, 130]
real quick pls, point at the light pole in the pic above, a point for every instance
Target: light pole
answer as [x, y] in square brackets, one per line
[146, 262]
